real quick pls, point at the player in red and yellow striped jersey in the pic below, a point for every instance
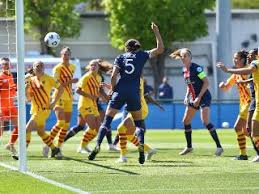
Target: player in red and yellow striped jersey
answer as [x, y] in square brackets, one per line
[8, 111]
[239, 60]
[253, 69]
[39, 88]
[89, 89]
[63, 73]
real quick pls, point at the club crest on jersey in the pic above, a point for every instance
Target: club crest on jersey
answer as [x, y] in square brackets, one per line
[199, 69]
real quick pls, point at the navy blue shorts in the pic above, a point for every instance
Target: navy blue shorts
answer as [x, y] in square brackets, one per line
[205, 101]
[252, 105]
[132, 100]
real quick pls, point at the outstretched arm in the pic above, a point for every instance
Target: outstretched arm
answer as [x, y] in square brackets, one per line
[159, 42]
[148, 98]
[240, 71]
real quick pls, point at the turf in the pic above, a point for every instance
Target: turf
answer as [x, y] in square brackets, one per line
[199, 172]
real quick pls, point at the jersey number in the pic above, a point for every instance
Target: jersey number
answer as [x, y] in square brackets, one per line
[129, 64]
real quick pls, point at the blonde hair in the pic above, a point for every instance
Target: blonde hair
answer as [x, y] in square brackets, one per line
[35, 63]
[177, 54]
[104, 66]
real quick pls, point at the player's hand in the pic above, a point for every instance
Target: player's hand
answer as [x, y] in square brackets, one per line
[186, 101]
[222, 67]
[105, 85]
[110, 93]
[93, 97]
[196, 102]
[51, 106]
[74, 80]
[161, 108]
[154, 27]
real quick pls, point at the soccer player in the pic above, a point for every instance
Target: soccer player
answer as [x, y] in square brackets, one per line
[39, 88]
[126, 128]
[239, 60]
[251, 69]
[63, 73]
[89, 89]
[197, 89]
[126, 90]
[81, 122]
[8, 111]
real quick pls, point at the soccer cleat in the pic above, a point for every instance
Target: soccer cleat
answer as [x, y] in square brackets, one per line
[84, 150]
[11, 148]
[59, 155]
[45, 151]
[186, 151]
[15, 157]
[54, 152]
[141, 158]
[112, 147]
[150, 153]
[241, 157]
[93, 154]
[219, 151]
[255, 159]
[122, 159]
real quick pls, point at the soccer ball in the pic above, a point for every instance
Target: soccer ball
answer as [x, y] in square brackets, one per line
[52, 39]
[225, 125]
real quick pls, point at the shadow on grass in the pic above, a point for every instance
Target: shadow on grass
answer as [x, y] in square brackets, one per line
[99, 165]
[171, 161]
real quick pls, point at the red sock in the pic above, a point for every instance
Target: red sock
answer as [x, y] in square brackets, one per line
[14, 135]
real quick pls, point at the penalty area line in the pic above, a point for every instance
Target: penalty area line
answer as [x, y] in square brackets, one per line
[44, 179]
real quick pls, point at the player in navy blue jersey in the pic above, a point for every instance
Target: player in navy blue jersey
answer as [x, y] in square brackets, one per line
[197, 97]
[128, 69]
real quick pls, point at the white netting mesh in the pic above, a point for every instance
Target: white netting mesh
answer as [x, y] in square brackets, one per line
[8, 105]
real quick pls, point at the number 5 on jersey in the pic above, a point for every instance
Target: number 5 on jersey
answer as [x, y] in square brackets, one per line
[129, 64]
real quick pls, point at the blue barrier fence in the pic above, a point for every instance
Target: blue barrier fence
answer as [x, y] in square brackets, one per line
[171, 118]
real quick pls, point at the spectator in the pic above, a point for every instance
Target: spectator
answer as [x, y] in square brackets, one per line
[148, 89]
[165, 91]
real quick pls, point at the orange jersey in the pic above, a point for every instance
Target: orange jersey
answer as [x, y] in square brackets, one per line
[7, 90]
[242, 88]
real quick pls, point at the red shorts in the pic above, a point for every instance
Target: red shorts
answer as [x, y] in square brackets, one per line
[9, 113]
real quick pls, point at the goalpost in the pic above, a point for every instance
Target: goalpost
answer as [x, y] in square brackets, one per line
[19, 14]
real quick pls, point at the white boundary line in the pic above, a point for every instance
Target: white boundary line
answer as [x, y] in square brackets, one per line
[44, 179]
[183, 190]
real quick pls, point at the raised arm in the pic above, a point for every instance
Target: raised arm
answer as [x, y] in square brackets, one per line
[240, 71]
[159, 42]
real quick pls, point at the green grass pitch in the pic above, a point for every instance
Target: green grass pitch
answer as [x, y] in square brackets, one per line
[167, 172]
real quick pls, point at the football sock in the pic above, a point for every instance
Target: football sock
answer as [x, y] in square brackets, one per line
[241, 139]
[73, 131]
[134, 139]
[256, 141]
[188, 135]
[255, 148]
[140, 130]
[62, 134]
[106, 126]
[214, 134]
[54, 131]
[109, 136]
[14, 135]
[28, 138]
[88, 136]
[47, 140]
[122, 139]
[116, 139]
